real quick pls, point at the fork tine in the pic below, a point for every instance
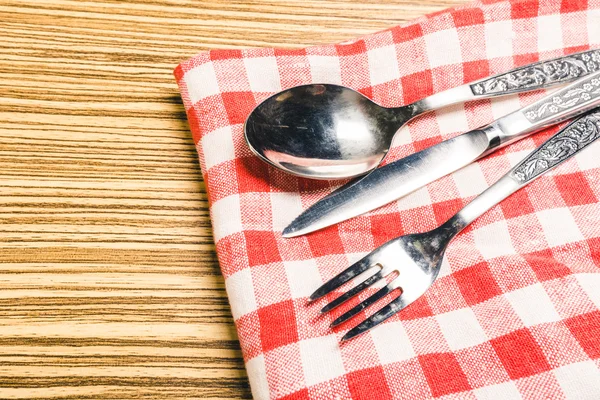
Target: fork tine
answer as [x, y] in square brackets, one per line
[386, 312]
[353, 292]
[354, 270]
[370, 300]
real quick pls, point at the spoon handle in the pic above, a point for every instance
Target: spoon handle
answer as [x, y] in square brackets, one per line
[540, 75]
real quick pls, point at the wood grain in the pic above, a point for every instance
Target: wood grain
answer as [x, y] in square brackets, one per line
[109, 284]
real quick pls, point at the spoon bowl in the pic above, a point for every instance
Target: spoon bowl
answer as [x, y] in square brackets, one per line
[323, 131]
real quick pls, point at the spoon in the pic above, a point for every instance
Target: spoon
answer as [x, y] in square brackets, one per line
[327, 131]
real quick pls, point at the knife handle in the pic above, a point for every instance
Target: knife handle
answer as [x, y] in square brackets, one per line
[570, 101]
[565, 144]
[539, 75]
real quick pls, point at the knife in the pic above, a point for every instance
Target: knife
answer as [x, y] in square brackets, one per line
[399, 178]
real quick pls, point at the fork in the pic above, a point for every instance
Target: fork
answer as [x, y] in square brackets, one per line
[417, 258]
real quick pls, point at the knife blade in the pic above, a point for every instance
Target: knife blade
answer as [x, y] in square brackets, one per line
[391, 182]
[397, 179]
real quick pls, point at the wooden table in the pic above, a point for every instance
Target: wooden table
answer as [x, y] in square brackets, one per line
[109, 284]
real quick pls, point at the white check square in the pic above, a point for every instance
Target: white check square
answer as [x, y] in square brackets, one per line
[593, 27]
[499, 37]
[285, 206]
[452, 119]
[263, 74]
[515, 157]
[241, 293]
[590, 283]
[461, 329]
[219, 146]
[226, 216]
[579, 381]
[383, 65]
[392, 343]
[533, 305]
[504, 391]
[321, 359]
[257, 375]
[470, 180]
[402, 137]
[589, 159]
[443, 48]
[303, 277]
[502, 106]
[559, 226]
[549, 32]
[201, 82]
[325, 69]
[418, 198]
[493, 240]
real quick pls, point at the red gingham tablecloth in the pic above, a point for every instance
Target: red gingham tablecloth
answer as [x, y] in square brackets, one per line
[515, 312]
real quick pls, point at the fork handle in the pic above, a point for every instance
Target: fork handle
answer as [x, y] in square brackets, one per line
[568, 142]
[539, 75]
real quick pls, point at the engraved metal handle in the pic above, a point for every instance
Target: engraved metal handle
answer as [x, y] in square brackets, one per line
[568, 102]
[563, 103]
[540, 75]
[559, 148]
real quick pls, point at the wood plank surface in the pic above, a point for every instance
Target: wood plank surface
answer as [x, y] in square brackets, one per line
[109, 284]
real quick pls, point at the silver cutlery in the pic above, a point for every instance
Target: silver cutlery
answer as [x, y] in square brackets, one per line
[417, 258]
[397, 179]
[325, 131]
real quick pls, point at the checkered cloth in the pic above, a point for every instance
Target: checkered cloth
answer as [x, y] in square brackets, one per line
[515, 312]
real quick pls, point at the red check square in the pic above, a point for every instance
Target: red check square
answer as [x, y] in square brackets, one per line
[520, 354]
[517, 204]
[586, 329]
[351, 49]
[385, 227]
[417, 86]
[477, 283]
[545, 266]
[238, 105]
[568, 6]
[475, 70]
[262, 247]
[404, 34]
[524, 9]
[277, 325]
[575, 189]
[225, 54]
[253, 175]
[524, 59]
[368, 384]
[325, 241]
[446, 209]
[444, 374]
[468, 17]
[594, 245]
